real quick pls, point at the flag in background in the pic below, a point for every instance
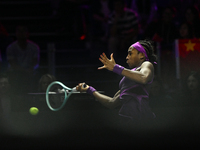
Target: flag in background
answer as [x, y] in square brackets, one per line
[189, 56]
[188, 46]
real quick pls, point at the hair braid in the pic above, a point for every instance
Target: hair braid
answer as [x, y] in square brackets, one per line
[149, 48]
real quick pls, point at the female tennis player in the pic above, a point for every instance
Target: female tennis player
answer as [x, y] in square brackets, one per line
[133, 94]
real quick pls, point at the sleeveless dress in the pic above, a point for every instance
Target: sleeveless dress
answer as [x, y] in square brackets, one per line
[135, 100]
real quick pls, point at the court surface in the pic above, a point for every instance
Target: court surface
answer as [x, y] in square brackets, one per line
[85, 123]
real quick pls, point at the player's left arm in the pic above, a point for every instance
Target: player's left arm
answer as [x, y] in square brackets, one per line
[143, 75]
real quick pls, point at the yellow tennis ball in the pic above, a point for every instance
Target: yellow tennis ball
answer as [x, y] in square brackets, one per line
[34, 110]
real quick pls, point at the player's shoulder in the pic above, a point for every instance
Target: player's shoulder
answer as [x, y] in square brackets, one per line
[147, 64]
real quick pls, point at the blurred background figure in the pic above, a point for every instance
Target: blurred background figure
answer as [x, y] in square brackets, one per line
[185, 31]
[101, 10]
[164, 31]
[97, 29]
[44, 81]
[123, 29]
[192, 17]
[5, 94]
[71, 18]
[146, 11]
[159, 98]
[23, 57]
[190, 94]
[4, 42]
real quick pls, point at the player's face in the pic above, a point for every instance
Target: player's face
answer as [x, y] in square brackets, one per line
[133, 58]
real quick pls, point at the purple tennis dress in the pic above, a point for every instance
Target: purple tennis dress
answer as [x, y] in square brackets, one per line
[135, 100]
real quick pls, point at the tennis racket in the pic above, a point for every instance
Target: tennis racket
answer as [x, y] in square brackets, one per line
[56, 98]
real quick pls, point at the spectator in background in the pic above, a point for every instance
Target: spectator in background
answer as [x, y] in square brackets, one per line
[23, 58]
[23, 54]
[160, 100]
[190, 95]
[4, 42]
[158, 96]
[44, 81]
[72, 21]
[101, 10]
[181, 6]
[146, 11]
[5, 95]
[165, 31]
[123, 29]
[192, 17]
[188, 100]
[185, 31]
[97, 40]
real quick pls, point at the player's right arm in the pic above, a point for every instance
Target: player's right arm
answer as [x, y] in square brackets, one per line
[109, 102]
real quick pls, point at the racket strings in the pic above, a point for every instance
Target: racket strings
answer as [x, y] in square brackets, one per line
[57, 99]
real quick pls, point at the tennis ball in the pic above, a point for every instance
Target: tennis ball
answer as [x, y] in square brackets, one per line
[34, 110]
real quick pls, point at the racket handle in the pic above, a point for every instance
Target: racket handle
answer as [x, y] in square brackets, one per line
[74, 89]
[84, 85]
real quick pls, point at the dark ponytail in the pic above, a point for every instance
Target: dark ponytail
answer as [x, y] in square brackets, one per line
[149, 48]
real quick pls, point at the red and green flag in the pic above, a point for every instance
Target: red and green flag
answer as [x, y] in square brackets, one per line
[188, 56]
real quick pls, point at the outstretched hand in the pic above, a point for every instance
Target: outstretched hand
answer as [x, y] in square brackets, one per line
[108, 63]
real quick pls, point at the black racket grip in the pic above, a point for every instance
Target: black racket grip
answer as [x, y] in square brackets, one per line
[84, 85]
